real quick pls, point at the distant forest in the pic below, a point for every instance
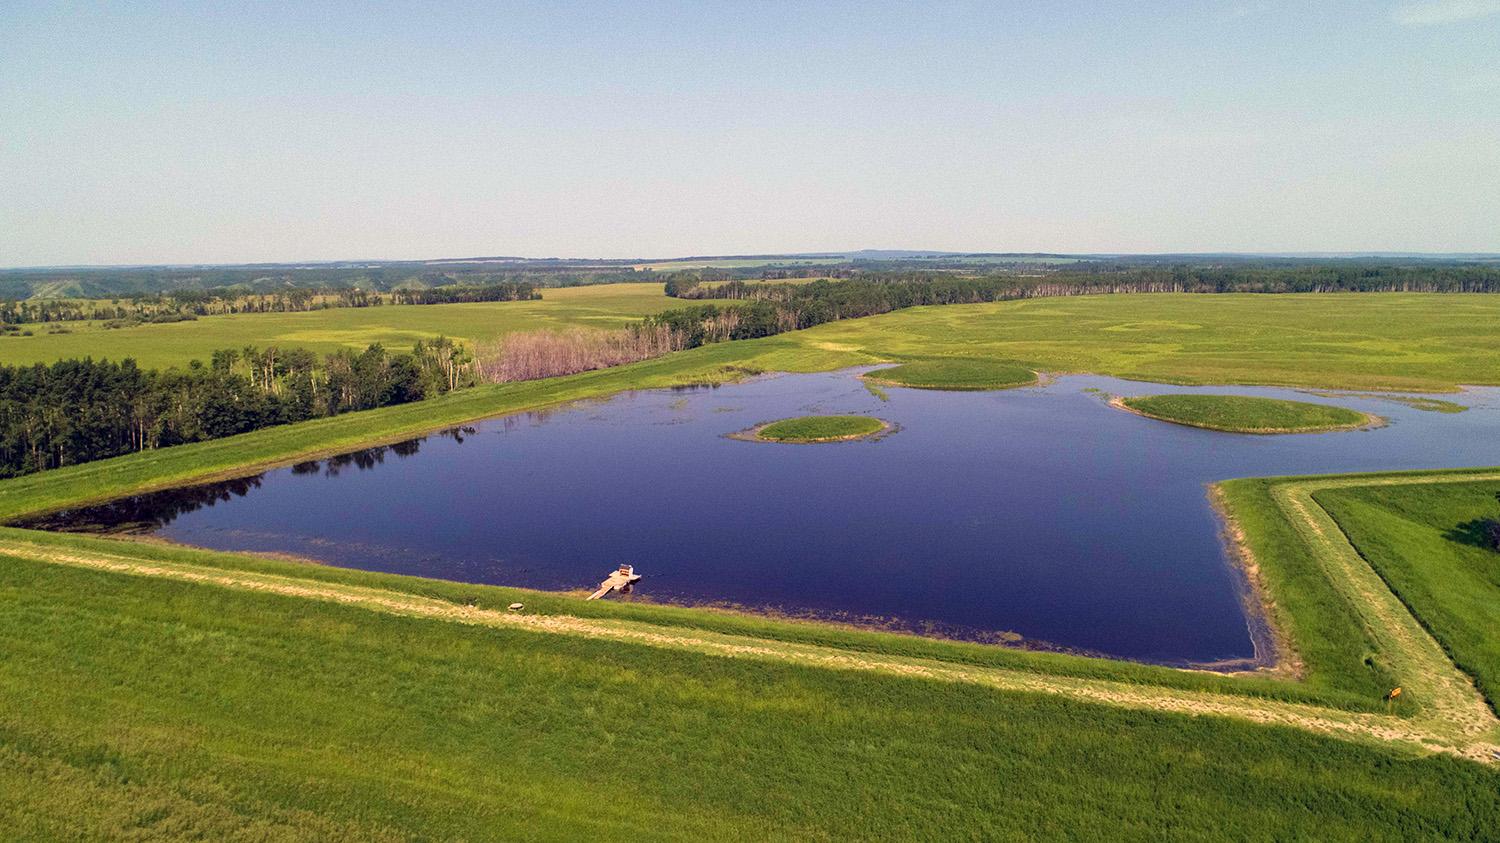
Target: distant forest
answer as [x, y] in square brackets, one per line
[391, 276]
[183, 305]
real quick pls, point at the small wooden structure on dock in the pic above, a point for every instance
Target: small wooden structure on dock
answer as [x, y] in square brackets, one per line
[620, 580]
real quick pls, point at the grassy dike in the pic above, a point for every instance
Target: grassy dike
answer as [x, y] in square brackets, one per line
[1429, 545]
[137, 707]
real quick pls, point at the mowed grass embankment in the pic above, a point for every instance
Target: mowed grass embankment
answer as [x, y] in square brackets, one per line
[1432, 544]
[1246, 414]
[161, 708]
[326, 331]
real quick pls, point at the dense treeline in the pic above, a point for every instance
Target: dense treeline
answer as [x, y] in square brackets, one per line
[1294, 277]
[182, 305]
[382, 277]
[1323, 277]
[74, 411]
[775, 308]
[511, 291]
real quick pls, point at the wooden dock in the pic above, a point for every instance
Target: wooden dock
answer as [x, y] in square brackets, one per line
[619, 580]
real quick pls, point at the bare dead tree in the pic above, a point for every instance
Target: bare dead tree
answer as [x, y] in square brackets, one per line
[531, 355]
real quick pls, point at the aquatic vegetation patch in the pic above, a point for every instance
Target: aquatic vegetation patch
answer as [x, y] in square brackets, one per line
[822, 429]
[955, 374]
[1416, 402]
[1246, 414]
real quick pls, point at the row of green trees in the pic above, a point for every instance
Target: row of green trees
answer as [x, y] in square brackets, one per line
[776, 308]
[1325, 277]
[508, 291]
[75, 411]
[187, 304]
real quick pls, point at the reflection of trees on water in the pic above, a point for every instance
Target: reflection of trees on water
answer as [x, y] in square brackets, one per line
[532, 417]
[144, 513]
[362, 460]
[149, 512]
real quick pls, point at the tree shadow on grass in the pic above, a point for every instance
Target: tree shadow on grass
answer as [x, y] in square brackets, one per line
[1479, 532]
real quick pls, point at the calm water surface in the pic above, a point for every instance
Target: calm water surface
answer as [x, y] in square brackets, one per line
[1037, 511]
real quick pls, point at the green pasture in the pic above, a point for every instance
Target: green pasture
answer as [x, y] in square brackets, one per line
[1356, 341]
[1352, 341]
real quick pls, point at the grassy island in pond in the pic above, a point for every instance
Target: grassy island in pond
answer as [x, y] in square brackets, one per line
[1244, 414]
[955, 374]
[821, 429]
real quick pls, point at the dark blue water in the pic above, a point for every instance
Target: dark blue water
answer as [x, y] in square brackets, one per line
[1038, 511]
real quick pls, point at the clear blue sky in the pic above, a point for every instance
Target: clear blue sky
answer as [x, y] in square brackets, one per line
[146, 132]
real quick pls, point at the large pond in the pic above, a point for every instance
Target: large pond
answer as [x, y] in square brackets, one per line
[1039, 512]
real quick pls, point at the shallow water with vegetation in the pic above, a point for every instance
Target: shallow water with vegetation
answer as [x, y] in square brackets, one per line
[1039, 513]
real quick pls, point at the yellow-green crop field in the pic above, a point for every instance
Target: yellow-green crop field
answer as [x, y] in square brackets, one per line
[324, 331]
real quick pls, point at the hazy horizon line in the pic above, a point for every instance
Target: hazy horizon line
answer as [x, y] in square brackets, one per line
[891, 254]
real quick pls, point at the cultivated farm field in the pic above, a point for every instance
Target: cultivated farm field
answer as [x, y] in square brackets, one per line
[324, 331]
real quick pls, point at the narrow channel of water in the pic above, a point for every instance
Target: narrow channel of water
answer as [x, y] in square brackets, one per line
[1038, 512]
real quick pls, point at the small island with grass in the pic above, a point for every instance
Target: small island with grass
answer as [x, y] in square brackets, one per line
[1246, 414]
[955, 374]
[813, 429]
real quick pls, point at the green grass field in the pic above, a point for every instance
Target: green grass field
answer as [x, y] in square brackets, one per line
[1339, 341]
[1244, 414]
[152, 691]
[820, 429]
[955, 374]
[325, 331]
[1348, 341]
[1427, 542]
[161, 710]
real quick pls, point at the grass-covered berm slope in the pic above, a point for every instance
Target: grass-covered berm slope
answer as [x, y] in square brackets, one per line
[144, 695]
[1435, 545]
[1246, 414]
